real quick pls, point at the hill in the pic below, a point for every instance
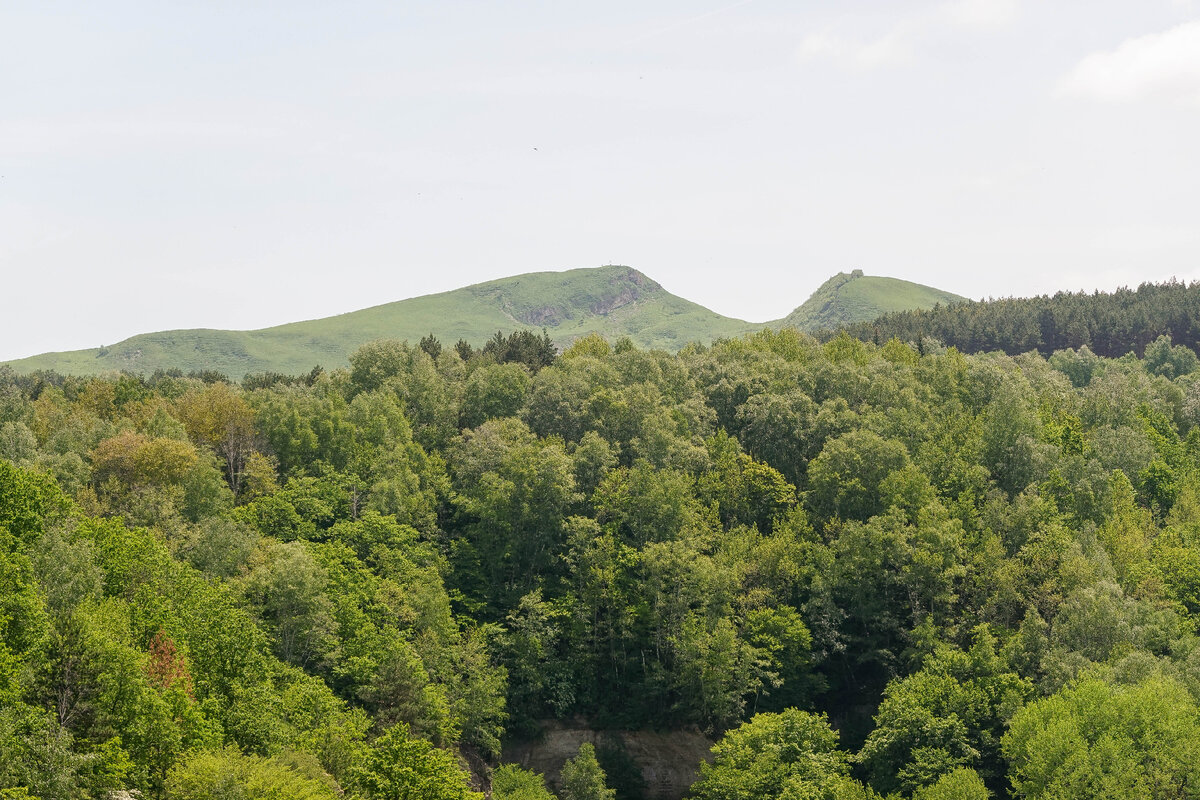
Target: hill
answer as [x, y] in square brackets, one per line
[613, 301]
[853, 297]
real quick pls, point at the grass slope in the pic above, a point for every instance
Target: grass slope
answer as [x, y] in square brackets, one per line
[613, 301]
[854, 297]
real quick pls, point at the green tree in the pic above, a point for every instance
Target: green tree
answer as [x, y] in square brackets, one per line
[229, 775]
[510, 782]
[960, 784]
[399, 766]
[582, 777]
[1098, 739]
[376, 362]
[791, 754]
[494, 391]
[948, 715]
[846, 476]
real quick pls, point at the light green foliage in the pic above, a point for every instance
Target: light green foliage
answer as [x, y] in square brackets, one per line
[510, 782]
[36, 756]
[289, 589]
[377, 362]
[792, 754]
[400, 766]
[1170, 362]
[593, 458]
[1011, 449]
[1078, 365]
[229, 775]
[1097, 739]
[17, 443]
[960, 784]
[583, 779]
[218, 546]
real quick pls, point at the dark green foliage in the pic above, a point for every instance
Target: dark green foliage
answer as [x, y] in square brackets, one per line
[621, 772]
[431, 346]
[949, 715]
[521, 347]
[1108, 324]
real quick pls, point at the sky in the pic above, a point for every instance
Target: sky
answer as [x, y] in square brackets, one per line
[244, 164]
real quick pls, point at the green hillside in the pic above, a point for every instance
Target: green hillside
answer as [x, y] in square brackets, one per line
[853, 297]
[613, 301]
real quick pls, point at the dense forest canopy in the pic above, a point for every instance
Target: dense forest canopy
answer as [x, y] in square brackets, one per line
[865, 569]
[1108, 324]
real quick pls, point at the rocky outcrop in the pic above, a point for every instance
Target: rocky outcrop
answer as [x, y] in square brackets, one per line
[668, 761]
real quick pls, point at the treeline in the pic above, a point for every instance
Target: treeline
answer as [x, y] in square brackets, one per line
[1107, 324]
[869, 571]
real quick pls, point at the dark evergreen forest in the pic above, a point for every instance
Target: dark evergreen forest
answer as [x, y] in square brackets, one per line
[1107, 324]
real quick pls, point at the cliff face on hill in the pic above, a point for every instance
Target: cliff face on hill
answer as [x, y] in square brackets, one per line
[668, 762]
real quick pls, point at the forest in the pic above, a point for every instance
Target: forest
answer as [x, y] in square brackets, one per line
[1109, 324]
[865, 568]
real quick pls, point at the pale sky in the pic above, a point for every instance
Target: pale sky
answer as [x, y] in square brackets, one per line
[242, 164]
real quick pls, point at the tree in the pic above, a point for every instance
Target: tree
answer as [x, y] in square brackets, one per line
[399, 766]
[773, 756]
[1100, 739]
[377, 361]
[1170, 362]
[510, 782]
[846, 476]
[493, 391]
[289, 591]
[948, 715]
[229, 775]
[518, 489]
[583, 779]
[219, 418]
[17, 443]
[522, 346]
[961, 784]
[431, 345]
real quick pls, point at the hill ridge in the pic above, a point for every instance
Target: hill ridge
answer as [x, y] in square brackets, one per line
[854, 297]
[612, 300]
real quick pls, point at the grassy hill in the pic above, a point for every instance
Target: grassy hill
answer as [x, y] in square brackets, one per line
[613, 301]
[853, 297]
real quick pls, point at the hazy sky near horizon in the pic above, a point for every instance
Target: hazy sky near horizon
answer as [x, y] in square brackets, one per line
[243, 164]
